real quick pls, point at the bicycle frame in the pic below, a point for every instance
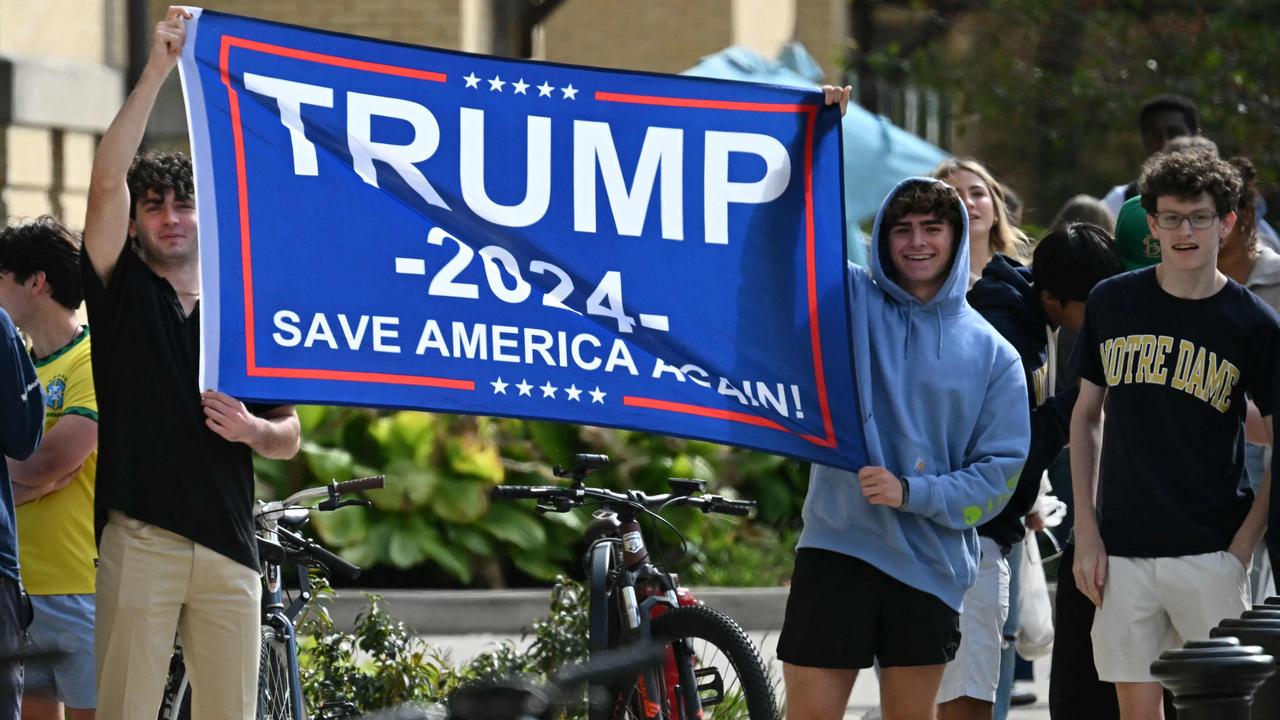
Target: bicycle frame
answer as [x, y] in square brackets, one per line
[626, 585]
[658, 591]
[275, 614]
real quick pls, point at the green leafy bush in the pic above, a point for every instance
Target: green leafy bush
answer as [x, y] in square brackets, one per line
[380, 664]
[434, 523]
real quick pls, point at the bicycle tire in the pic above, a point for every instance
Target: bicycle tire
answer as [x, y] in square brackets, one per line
[275, 698]
[602, 619]
[722, 652]
[176, 704]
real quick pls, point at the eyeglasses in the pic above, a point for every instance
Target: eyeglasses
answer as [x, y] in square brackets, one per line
[1173, 220]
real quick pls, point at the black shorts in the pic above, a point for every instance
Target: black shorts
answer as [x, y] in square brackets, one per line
[843, 613]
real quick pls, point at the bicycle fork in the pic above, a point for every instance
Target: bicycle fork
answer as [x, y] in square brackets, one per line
[274, 617]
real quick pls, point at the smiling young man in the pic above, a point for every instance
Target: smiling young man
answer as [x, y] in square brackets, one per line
[1171, 351]
[175, 473]
[887, 554]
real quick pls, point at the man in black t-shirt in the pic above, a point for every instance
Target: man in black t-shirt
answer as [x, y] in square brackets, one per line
[1172, 351]
[175, 476]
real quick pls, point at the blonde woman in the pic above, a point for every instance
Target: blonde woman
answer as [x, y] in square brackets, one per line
[990, 231]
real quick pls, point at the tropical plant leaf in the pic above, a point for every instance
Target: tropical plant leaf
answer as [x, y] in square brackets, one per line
[535, 565]
[471, 538]
[342, 528]
[404, 548]
[556, 441]
[408, 487]
[358, 440]
[512, 525]
[460, 501]
[327, 463]
[474, 456]
[454, 560]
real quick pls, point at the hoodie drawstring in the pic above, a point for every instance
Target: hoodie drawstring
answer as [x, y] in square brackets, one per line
[911, 312]
[906, 346]
[937, 309]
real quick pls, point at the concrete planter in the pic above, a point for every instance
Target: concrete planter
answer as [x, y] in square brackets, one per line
[512, 612]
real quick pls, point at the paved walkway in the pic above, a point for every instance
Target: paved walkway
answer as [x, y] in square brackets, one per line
[865, 691]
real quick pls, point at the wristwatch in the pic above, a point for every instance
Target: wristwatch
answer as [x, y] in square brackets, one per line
[906, 491]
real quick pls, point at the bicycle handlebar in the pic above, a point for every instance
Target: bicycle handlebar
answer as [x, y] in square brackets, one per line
[322, 491]
[332, 562]
[366, 483]
[570, 497]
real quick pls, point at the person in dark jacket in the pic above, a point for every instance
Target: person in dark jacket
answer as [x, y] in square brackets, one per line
[21, 425]
[1025, 306]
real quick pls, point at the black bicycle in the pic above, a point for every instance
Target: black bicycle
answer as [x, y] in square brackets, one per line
[711, 667]
[280, 544]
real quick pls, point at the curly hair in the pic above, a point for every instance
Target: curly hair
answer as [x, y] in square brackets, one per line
[1189, 174]
[159, 171]
[44, 245]
[922, 198]
[1005, 238]
[1247, 212]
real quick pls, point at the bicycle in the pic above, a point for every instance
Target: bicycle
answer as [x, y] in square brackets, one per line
[711, 667]
[280, 544]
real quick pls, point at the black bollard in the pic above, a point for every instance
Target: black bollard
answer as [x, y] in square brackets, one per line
[1261, 629]
[1213, 679]
[1262, 612]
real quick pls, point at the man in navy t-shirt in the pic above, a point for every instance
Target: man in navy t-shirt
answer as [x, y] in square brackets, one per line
[1172, 350]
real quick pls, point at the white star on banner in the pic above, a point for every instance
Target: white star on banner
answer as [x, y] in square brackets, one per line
[597, 396]
[570, 92]
[549, 390]
[524, 387]
[544, 90]
[520, 86]
[472, 81]
[499, 387]
[573, 392]
[496, 83]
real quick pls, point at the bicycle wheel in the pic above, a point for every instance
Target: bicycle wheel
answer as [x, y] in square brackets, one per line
[275, 699]
[602, 627]
[731, 679]
[176, 704]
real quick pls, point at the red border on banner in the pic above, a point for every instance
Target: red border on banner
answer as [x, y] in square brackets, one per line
[254, 370]
[810, 257]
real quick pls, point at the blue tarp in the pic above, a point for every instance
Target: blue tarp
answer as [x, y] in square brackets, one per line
[877, 154]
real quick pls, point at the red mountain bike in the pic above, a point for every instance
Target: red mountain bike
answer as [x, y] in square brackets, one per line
[712, 668]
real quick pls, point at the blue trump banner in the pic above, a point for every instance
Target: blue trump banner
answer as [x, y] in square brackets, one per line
[394, 226]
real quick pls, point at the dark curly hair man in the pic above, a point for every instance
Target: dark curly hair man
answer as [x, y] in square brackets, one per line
[1173, 349]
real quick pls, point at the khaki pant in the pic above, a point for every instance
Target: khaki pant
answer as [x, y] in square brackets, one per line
[151, 581]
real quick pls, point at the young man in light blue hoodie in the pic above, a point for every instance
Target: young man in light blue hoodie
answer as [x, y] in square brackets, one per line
[887, 554]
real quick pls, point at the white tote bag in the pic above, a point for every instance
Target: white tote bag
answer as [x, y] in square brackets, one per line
[1035, 613]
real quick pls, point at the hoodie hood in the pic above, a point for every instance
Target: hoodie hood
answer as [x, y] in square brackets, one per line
[950, 298]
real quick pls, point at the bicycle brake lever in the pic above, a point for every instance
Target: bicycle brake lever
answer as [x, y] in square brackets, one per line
[334, 503]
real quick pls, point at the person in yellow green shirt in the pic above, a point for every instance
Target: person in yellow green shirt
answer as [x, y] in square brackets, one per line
[40, 288]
